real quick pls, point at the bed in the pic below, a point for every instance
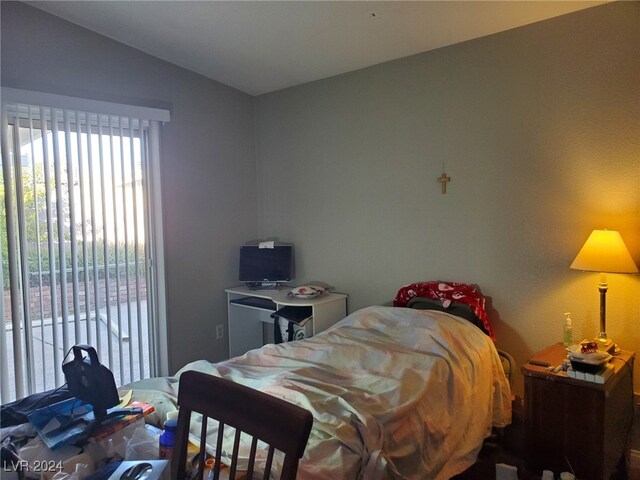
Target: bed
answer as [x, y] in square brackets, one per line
[396, 393]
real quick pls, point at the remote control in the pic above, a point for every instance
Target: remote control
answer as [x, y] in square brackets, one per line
[539, 363]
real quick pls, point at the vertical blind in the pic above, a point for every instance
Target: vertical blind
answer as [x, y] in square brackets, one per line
[76, 245]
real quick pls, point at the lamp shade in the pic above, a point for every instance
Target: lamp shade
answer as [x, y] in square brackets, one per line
[604, 251]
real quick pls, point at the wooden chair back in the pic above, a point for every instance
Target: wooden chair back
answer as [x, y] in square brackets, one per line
[280, 424]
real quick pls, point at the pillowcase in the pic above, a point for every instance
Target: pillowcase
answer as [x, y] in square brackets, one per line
[459, 309]
[447, 293]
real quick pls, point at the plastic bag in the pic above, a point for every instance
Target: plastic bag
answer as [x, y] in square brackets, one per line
[143, 444]
[36, 452]
[80, 472]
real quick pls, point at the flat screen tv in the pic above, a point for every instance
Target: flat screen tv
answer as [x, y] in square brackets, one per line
[266, 267]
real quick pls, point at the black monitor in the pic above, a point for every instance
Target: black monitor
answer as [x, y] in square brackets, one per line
[265, 267]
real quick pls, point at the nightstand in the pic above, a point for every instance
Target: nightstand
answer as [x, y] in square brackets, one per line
[583, 422]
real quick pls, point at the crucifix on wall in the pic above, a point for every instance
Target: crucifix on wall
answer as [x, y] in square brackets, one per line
[443, 180]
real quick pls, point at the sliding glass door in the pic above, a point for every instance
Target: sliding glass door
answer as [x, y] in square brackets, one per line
[76, 245]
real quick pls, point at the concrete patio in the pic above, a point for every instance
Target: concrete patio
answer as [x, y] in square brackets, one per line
[45, 366]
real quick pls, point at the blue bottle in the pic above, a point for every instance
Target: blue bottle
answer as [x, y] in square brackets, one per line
[167, 439]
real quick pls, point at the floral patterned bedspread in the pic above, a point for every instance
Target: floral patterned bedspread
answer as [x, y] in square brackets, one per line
[395, 393]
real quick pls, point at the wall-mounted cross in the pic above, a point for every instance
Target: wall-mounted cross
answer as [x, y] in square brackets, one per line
[443, 179]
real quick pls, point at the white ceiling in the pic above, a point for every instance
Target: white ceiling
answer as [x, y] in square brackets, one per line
[262, 46]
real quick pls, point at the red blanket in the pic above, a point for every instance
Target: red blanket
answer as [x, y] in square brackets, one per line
[447, 292]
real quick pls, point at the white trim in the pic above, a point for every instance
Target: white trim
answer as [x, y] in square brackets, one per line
[155, 212]
[30, 97]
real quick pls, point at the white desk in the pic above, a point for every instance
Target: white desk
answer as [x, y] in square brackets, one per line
[250, 324]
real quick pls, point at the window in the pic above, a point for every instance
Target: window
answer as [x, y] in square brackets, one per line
[80, 251]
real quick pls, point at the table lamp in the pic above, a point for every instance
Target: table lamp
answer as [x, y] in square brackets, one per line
[604, 252]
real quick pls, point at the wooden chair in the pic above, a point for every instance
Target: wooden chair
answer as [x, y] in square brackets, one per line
[280, 424]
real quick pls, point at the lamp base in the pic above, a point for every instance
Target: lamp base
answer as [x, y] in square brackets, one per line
[606, 345]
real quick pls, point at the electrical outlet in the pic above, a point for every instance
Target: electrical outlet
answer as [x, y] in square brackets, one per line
[219, 332]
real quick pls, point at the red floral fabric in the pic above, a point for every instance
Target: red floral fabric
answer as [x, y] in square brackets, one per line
[447, 292]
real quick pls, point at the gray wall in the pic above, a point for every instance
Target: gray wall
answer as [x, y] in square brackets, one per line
[539, 130]
[208, 157]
